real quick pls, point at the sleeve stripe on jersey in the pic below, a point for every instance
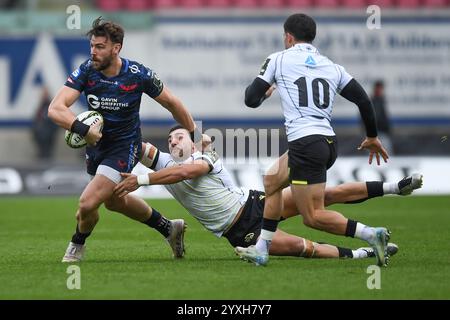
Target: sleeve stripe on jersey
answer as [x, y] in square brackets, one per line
[150, 156]
[155, 160]
[208, 160]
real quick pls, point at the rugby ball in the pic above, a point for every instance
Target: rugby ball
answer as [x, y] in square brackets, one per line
[74, 140]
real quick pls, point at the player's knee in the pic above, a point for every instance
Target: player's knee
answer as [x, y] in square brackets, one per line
[114, 204]
[310, 221]
[297, 246]
[329, 196]
[270, 184]
[86, 206]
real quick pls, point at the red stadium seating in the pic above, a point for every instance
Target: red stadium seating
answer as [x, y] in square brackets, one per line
[327, 3]
[272, 3]
[139, 5]
[354, 3]
[165, 4]
[109, 5]
[192, 3]
[408, 3]
[381, 3]
[218, 3]
[299, 3]
[246, 3]
[435, 3]
[136, 5]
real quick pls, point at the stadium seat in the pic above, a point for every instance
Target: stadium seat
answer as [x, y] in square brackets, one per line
[109, 5]
[381, 3]
[165, 4]
[186, 4]
[435, 3]
[408, 3]
[246, 3]
[327, 3]
[272, 3]
[218, 3]
[136, 5]
[354, 3]
[298, 3]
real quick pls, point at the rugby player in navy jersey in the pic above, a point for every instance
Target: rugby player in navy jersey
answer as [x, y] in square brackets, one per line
[113, 86]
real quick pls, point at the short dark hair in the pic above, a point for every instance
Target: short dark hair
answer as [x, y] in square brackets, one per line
[176, 127]
[301, 26]
[108, 29]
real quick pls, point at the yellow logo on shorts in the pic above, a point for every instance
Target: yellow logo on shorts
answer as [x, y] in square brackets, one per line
[261, 197]
[249, 237]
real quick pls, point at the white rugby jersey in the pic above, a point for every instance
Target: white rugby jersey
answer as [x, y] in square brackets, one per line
[307, 83]
[213, 199]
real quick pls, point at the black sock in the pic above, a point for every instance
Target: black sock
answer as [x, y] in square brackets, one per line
[270, 225]
[159, 222]
[345, 252]
[374, 189]
[78, 237]
[351, 228]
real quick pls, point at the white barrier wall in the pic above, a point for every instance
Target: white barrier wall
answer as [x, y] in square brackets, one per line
[246, 173]
[208, 63]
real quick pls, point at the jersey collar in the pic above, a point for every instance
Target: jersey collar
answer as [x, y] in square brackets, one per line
[307, 47]
[125, 64]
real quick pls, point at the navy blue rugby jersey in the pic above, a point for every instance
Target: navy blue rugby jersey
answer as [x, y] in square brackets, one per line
[117, 98]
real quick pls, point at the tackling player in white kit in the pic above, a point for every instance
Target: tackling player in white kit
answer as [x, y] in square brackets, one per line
[307, 83]
[203, 186]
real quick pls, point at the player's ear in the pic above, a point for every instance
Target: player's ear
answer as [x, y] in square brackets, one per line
[290, 38]
[117, 47]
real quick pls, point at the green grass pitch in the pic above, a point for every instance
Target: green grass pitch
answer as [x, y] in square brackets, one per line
[127, 260]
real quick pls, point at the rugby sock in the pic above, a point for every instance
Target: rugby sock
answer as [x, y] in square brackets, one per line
[159, 222]
[374, 189]
[78, 237]
[351, 228]
[359, 254]
[345, 252]
[391, 188]
[268, 230]
[363, 232]
[358, 230]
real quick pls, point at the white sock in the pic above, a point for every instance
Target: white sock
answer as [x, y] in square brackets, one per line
[264, 240]
[359, 254]
[363, 232]
[390, 188]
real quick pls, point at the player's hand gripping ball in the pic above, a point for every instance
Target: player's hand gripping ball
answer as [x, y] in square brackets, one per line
[74, 140]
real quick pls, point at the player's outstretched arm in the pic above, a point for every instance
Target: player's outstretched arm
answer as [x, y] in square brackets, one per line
[59, 110]
[176, 107]
[356, 94]
[258, 91]
[164, 176]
